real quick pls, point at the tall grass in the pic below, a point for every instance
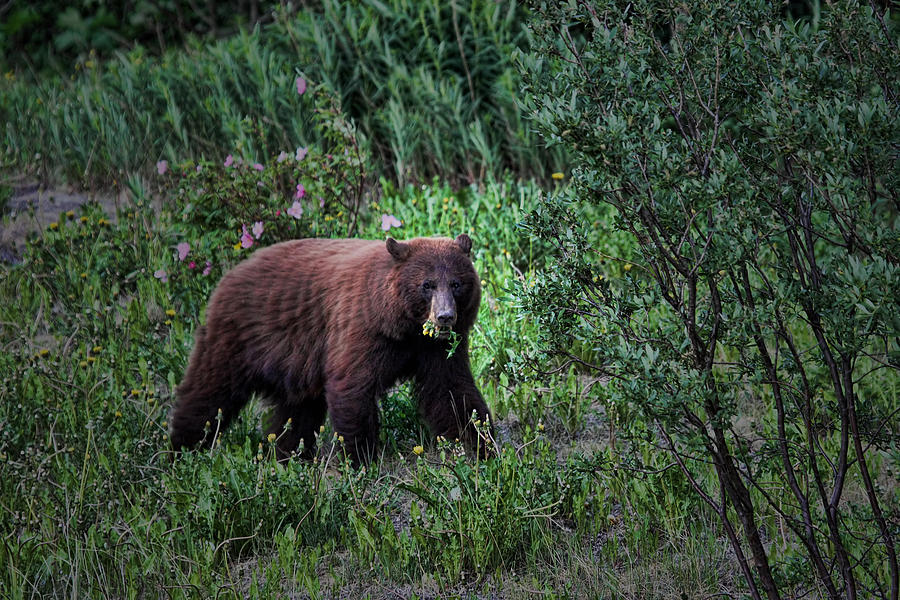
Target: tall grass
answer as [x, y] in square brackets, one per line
[430, 86]
[94, 341]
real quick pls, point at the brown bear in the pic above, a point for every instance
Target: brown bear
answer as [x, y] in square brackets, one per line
[322, 325]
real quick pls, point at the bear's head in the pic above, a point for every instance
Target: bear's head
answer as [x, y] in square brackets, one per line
[436, 282]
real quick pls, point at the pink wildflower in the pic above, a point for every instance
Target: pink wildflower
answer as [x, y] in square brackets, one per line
[229, 160]
[278, 213]
[246, 240]
[192, 265]
[258, 166]
[161, 275]
[301, 191]
[388, 221]
[257, 229]
[300, 154]
[183, 248]
[296, 210]
[208, 268]
[301, 86]
[282, 156]
[162, 166]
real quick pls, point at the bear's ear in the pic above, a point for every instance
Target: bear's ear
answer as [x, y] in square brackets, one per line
[464, 242]
[398, 250]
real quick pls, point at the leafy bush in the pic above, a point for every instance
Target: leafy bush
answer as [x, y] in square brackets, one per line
[749, 322]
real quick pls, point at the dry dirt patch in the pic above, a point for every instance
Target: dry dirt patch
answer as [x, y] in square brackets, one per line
[32, 207]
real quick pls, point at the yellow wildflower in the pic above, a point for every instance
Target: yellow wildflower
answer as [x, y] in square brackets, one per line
[170, 313]
[271, 437]
[557, 176]
[627, 266]
[54, 226]
[418, 450]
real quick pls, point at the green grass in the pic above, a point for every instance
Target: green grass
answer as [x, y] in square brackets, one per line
[431, 86]
[97, 322]
[94, 344]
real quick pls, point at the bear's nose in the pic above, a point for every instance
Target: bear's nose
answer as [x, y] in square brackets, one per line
[446, 319]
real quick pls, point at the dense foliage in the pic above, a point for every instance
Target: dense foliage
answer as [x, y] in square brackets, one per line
[749, 322]
[430, 86]
[47, 34]
[690, 347]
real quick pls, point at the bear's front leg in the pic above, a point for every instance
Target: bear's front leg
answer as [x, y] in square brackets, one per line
[448, 397]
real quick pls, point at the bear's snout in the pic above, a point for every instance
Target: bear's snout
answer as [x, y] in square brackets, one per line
[446, 319]
[443, 310]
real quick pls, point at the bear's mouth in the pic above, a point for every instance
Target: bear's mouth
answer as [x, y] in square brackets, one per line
[442, 333]
[433, 330]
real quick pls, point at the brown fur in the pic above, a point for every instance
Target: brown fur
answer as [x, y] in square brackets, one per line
[315, 325]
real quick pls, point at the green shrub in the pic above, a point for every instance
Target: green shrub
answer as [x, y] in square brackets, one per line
[749, 323]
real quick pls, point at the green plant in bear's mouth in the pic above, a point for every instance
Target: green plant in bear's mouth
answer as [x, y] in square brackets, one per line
[433, 330]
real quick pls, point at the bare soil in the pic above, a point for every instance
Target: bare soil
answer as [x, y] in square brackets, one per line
[32, 207]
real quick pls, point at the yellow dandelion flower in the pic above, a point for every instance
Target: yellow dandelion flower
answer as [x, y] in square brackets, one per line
[170, 313]
[135, 392]
[321, 429]
[557, 176]
[271, 437]
[91, 359]
[118, 413]
[96, 348]
[70, 214]
[340, 439]
[627, 267]
[237, 246]
[44, 352]
[54, 226]
[84, 219]
[418, 450]
[83, 364]
[84, 275]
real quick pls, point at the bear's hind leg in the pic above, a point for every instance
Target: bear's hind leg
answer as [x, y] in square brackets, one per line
[206, 404]
[306, 416]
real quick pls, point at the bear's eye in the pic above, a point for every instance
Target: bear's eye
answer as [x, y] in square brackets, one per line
[428, 285]
[454, 285]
